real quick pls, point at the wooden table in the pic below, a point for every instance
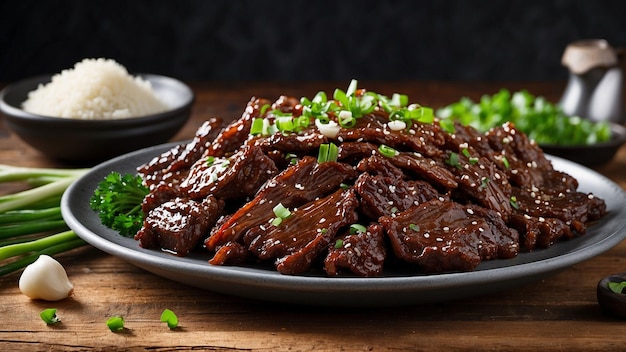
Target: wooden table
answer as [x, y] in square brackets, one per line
[560, 313]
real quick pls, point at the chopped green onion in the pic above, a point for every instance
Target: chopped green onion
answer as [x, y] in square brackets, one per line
[346, 119]
[387, 151]
[617, 287]
[170, 318]
[357, 228]
[276, 221]
[484, 182]
[505, 161]
[281, 212]
[49, 316]
[513, 201]
[264, 108]
[338, 243]
[327, 152]
[414, 227]
[115, 323]
[453, 160]
[257, 126]
[447, 125]
[210, 160]
[466, 152]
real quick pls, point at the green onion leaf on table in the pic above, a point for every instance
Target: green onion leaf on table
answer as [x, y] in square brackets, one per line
[541, 120]
[30, 218]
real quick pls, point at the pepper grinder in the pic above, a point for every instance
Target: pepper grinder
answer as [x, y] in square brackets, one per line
[595, 86]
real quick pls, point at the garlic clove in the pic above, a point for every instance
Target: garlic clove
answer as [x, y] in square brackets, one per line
[45, 279]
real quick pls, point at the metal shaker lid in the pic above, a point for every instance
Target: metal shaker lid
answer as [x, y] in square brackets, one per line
[583, 55]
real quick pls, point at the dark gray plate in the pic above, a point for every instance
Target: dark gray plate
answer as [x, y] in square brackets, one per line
[315, 289]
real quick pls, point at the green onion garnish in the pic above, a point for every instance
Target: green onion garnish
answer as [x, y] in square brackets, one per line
[357, 228]
[257, 126]
[617, 287]
[170, 318]
[447, 125]
[387, 151]
[513, 201]
[49, 316]
[115, 323]
[327, 152]
[338, 243]
[414, 227]
[505, 161]
[453, 160]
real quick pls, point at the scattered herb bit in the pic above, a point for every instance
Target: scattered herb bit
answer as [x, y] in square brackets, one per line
[617, 286]
[393, 210]
[453, 160]
[210, 160]
[387, 151]
[281, 214]
[414, 227]
[505, 161]
[473, 160]
[338, 243]
[49, 316]
[466, 152]
[447, 125]
[257, 126]
[484, 182]
[327, 152]
[170, 318]
[264, 109]
[117, 199]
[115, 323]
[357, 228]
[513, 201]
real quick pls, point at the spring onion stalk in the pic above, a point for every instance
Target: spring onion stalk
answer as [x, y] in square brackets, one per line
[31, 223]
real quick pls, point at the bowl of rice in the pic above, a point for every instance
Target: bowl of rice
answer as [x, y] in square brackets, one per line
[95, 111]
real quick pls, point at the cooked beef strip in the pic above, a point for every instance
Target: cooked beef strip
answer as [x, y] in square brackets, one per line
[238, 131]
[422, 138]
[481, 181]
[380, 165]
[443, 236]
[431, 170]
[293, 143]
[362, 253]
[236, 177]
[385, 196]
[178, 225]
[304, 236]
[295, 186]
[181, 157]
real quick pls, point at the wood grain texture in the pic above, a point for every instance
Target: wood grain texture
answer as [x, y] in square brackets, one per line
[559, 313]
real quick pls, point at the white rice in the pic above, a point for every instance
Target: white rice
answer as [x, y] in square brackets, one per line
[95, 89]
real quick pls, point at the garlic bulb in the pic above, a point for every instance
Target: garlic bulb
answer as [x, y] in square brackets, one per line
[45, 279]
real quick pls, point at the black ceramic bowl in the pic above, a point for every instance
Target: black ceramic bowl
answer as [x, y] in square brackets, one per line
[611, 302]
[591, 155]
[90, 141]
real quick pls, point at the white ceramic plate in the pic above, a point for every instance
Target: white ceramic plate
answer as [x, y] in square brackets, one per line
[317, 289]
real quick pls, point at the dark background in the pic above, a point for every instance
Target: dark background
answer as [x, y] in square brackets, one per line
[306, 40]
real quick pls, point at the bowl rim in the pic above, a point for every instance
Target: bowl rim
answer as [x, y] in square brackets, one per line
[17, 113]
